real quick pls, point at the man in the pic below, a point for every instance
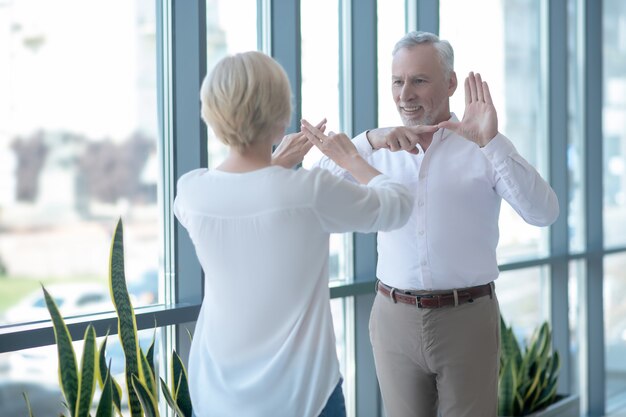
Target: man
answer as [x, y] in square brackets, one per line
[434, 326]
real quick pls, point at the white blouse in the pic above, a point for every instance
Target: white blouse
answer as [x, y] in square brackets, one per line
[264, 343]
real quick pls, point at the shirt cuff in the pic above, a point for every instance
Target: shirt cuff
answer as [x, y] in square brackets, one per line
[499, 148]
[363, 145]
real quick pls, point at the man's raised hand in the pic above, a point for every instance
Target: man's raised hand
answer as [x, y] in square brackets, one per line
[480, 121]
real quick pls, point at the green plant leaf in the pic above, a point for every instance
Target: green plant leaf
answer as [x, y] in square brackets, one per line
[150, 354]
[170, 400]
[127, 324]
[102, 365]
[148, 376]
[148, 402]
[105, 406]
[28, 407]
[181, 388]
[68, 370]
[87, 376]
[507, 389]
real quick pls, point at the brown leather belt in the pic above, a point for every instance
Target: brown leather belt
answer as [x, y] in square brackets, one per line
[436, 299]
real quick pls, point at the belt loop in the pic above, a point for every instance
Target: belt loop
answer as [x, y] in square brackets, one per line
[392, 295]
[376, 285]
[456, 297]
[491, 289]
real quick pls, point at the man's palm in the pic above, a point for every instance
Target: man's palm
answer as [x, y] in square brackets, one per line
[480, 120]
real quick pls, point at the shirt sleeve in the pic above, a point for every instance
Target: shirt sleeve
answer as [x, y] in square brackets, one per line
[363, 147]
[520, 184]
[343, 206]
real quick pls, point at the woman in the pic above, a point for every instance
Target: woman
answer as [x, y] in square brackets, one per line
[264, 343]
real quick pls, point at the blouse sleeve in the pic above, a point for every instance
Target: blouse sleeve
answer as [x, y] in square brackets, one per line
[343, 206]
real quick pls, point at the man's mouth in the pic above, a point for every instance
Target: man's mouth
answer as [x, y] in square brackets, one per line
[410, 109]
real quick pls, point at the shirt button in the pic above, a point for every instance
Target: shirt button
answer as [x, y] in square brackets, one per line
[423, 263]
[420, 203]
[421, 232]
[422, 176]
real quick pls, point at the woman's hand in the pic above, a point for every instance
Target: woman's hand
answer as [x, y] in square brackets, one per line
[339, 148]
[292, 149]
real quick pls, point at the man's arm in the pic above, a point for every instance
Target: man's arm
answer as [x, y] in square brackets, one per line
[516, 180]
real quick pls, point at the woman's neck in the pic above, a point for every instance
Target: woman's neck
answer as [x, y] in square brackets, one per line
[256, 156]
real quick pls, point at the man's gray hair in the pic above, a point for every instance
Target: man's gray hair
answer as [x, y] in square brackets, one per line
[443, 47]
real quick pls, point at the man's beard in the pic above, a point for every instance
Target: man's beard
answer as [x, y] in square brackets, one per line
[425, 120]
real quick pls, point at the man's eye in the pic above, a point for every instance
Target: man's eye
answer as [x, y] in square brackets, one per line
[396, 82]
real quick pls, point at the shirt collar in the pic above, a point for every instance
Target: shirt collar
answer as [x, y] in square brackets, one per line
[447, 132]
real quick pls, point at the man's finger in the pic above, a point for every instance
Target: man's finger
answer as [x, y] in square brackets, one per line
[453, 126]
[479, 88]
[472, 86]
[486, 93]
[468, 93]
[423, 129]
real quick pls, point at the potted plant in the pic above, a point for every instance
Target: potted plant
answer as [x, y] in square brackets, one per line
[528, 378]
[78, 383]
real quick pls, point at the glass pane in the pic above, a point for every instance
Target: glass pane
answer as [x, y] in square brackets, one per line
[391, 18]
[577, 275]
[231, 28]
[78, 149]
[523, 295]
[321, 98]
[614, 122]
[506, 52]
[615, 329]
[320, 66]
[575, 151]
[35, 372]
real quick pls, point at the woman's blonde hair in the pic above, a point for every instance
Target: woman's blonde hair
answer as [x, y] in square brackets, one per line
[246, 96]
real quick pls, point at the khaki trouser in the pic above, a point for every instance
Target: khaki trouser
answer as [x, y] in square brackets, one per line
[443, 359]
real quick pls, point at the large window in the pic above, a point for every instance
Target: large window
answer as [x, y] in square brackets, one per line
[509, 59]
[391, 27]
[78, 149]
[231, 28]
[99, 115]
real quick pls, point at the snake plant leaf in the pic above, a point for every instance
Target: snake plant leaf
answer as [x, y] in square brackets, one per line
[102, 365]
[148, 376]
[170, 400]
[68, 370]
[28, 407]
[507, 389]
[150, 354]
[181, 389]
[127, 324]
[103, 368]
[508, 344]
[148, 402]
[87, 376]
[105, 406]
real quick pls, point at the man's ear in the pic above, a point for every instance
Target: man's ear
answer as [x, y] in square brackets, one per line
[452, 84]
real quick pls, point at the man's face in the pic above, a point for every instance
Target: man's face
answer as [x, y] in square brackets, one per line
[419, 86]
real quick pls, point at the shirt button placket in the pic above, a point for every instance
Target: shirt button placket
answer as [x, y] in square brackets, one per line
[421, 224]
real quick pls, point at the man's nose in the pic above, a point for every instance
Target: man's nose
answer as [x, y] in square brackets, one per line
[407, 92]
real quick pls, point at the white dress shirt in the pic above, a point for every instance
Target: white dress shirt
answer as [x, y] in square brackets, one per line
[450, 240]
[264, 343]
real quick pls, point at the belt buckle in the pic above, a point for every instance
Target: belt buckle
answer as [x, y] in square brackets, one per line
[418, 301]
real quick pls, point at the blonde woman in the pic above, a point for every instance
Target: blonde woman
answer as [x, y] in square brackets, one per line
[264, 343]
